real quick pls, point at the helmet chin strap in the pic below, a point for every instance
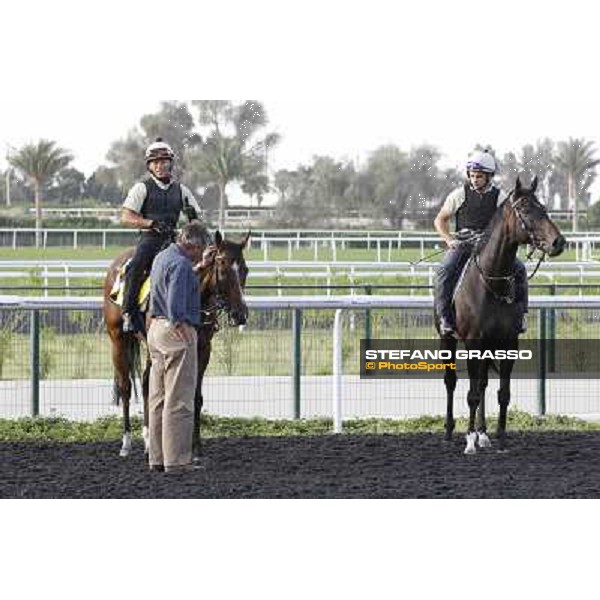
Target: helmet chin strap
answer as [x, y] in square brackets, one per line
[166, 179]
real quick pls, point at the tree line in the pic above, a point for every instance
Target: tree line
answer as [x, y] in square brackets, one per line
[218, 142]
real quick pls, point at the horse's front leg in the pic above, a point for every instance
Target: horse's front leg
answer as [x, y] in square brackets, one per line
[196, 440]
[450, 383]
[474, 366]
[204, 349]
[126, 444]
[145, 394]
[506, 367]
[122, 391]
[482, 437]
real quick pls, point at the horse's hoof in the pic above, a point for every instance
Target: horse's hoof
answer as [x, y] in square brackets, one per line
[483, 440]
[471, 438]
[124, 453]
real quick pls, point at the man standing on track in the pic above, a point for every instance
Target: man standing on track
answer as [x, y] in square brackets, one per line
[172, 340]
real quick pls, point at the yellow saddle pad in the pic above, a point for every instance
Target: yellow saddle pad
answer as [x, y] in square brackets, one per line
[116, 294]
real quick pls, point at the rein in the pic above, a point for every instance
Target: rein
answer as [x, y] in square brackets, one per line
[529, 231]
[510, 279]
[214, 309]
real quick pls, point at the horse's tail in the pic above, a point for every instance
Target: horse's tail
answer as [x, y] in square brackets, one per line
[131, 347]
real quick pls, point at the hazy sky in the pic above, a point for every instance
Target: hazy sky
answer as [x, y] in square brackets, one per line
[334, 81]
[341, 126]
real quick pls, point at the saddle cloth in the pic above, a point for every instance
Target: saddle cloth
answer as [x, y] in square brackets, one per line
[116, 293]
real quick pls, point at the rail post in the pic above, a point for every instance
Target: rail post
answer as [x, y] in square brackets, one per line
[34, 350]
[297, 359]
[337, 371]
[552, 334]
[368, 326]
[541, 364]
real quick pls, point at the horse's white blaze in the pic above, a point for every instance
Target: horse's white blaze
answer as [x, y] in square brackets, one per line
[483, 440]
[126, 447]
[471, 439]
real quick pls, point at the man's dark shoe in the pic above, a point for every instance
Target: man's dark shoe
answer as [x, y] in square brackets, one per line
[157, 468]
[176, 469]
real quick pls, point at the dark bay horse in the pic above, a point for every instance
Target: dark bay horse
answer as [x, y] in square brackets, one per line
[221, 290]
[486, 315]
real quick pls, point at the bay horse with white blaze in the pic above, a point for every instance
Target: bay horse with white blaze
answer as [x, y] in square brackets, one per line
[221, 290]
[487, 317]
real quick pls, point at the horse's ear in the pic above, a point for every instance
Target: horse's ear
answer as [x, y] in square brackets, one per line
[518, 186]
[534, 184]
[218, 238]
[244, 242]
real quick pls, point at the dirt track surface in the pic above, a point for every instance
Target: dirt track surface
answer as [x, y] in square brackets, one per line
[540, 465]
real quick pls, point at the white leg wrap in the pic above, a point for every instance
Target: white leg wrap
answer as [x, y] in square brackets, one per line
[471, 439]
[126, 447]
[483, 440]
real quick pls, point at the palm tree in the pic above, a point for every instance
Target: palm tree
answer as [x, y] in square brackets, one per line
[40, 163]
[230, 152]
[577, 161]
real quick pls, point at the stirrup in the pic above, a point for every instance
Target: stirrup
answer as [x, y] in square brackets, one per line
[127, 323]
[447, 328]
[134, 323]
[523, 327]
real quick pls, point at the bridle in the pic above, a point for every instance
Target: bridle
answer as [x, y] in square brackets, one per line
[535, 243]
[514, 204]
[211, 315]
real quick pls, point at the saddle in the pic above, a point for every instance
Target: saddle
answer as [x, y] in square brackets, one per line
[116, 293]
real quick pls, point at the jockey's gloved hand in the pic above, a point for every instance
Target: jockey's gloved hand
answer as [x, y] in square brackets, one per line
[190, 213]
[161, 227]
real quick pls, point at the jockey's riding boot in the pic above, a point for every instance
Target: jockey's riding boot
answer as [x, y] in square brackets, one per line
[127, 324]
[523, 325]
[447, 327]
[133, 322]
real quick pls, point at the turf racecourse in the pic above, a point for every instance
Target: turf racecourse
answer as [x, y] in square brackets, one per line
[541, 464]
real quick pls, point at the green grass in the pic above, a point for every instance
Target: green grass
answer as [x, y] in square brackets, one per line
[62, 430]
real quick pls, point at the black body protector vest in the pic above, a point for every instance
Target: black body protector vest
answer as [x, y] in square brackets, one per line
[162, 205]
[477, 210]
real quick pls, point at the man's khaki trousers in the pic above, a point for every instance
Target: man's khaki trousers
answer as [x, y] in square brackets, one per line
[173, 377]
